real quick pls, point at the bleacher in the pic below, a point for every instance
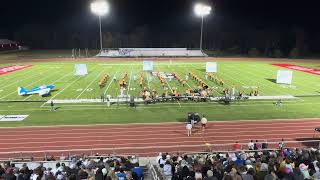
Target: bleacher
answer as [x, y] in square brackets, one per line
[151, 52]
[256, 162]
[7, 45]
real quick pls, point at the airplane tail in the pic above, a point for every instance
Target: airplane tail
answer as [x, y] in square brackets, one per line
[21, 91]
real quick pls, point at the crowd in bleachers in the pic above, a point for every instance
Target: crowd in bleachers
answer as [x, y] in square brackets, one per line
[99, 168]
[291, 164]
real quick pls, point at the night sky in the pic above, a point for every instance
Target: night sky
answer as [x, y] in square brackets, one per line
[15, 13]
[160, 16]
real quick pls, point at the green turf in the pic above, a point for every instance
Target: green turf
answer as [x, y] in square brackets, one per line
[244, 75]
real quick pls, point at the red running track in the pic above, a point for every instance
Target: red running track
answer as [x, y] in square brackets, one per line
[148, 139]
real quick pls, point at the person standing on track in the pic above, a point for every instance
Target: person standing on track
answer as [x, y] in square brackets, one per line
[203, 122]
[189, 129]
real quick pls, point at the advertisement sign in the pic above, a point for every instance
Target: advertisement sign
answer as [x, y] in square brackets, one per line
[10, 118]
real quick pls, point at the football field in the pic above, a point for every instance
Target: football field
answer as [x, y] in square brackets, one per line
[245, 76]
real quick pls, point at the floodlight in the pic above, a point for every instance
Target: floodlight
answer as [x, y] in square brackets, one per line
[100, 7]
[202, 9]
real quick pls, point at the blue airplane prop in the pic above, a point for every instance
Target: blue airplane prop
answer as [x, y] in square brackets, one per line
[41, 90]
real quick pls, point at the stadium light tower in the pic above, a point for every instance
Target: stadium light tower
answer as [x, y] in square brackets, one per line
[100, 8]
[202, 10]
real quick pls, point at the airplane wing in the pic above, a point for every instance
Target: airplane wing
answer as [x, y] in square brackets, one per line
[44, 92]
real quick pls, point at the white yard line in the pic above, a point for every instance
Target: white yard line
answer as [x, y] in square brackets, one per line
[99, 74]
[15, 91]
[65, 88]
[61, 90]
[111, 81]
[51, 83]
[16, 76]
[172, 92]
[28, 77]
[295, 82]
[258, 85]
[128, 88]
[145, 73]
[153, 107]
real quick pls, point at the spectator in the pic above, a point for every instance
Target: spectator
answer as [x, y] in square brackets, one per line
[257, 146]
[210, 176]
[167, 170]
[162, 161]
[198, 175]
[271, 176]
[121, 175]
[281, 144]
[138, 171]
[263, 171]
[251, 145]
[9, 175]
[243, 173]
[236, 146]
[304, 170]
[264, 145]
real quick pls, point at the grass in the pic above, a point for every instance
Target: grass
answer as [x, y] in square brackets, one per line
[243, 75]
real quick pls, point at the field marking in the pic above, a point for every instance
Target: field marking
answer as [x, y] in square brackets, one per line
[61, 90]
[8, 85]
[98, 131]
[277, 85]
[128, 88]
[111, 80]
[25, 86]
[67, 87]
[297, 100]
[99, 74]
[254, 82]
[147, 76]
[261, 121]
[15, 76]
[134, 144]
[156, 63]
[263, 84]
[172, 92]
[159, 107]
[51, 83]
[293, 83]
[194, 138]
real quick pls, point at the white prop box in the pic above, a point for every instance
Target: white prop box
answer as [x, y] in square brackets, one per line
[147, 65]
[211, 67]
[284, 77]
[80, 70]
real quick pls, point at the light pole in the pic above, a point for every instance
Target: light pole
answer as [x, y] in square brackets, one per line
[201, 10]
[100, 8]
